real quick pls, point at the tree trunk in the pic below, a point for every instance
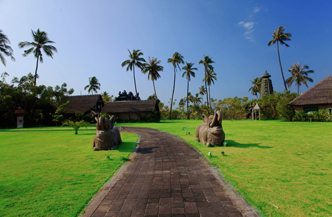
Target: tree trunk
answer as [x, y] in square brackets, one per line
[298, 89]
[207, 97]
[134, 80]
[282, 73]
[170, 114]
[154, 87]
[187, 98]
[36, 71]
[210, 98]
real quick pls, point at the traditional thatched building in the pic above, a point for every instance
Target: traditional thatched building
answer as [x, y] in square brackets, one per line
[85, 104]
[317, 97]
[132, 111]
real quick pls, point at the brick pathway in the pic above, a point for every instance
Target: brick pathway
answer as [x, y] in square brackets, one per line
[166, 177]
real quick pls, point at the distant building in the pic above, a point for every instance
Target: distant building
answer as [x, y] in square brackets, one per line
[317, 97]
[85, 104]
[266, 85]
[133, 111]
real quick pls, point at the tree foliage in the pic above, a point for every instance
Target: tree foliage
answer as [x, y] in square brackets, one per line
[5, 48]
[40, 42]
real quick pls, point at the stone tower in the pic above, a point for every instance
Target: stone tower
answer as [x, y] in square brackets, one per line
[266, 86]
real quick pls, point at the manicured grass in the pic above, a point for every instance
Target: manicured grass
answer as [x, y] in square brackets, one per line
[272, 163]
[53, 172]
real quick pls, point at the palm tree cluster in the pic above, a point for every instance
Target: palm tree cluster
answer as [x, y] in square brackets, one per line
[297, 72]
[153, 67]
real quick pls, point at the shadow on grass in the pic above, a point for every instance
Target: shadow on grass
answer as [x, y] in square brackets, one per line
[232, 143]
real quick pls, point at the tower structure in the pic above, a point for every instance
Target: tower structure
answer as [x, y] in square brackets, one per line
[266, 86]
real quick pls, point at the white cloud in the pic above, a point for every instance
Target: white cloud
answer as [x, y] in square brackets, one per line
[249, 26]
[256, 9]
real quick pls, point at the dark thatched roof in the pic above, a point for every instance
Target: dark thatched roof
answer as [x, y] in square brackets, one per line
[83, 103]
[318, 94]
[130, 106]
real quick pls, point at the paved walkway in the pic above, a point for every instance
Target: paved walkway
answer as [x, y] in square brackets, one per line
[166, 177]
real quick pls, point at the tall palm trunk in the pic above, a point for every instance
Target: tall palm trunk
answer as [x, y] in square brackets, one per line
[170, 114]
[207, 97]
[210, 98]
[154, 87]
[282, 73]
[298, 89]
[36, 71]
[187, 99]
[134, 80]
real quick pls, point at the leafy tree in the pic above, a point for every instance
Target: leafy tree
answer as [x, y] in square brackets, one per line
[152, 97]
[280, 37]
[209, 78]
[299, 75]
[153, 68]
[207, 61]
[134, 60]
[5, 48]
[93, 85]
[256, 88]
[40, 43]
[188, 73]
[59, 114]
[176, 59]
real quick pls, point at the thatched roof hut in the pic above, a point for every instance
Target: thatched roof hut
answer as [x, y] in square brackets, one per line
[131, 111]
[317, 97]
[85, 104]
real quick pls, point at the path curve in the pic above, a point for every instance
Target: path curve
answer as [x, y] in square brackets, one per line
[166, 177]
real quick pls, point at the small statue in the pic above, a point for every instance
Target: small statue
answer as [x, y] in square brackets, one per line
[107, 136]
[210, 133]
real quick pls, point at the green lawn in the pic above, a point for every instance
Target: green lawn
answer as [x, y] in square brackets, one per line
[52, 172]
[272, 163]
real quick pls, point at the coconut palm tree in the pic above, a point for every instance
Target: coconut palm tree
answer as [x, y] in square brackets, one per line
[5, 48]
[207, 61]
[202, 91]
[93, 85]
[176, 59]
[152, 68]
[188, 73]
[40, 42]
[209, 78]
[280, 37]
[134, 60]
[299, 75]
[256, 88]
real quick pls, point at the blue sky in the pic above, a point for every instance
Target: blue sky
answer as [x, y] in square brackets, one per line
[93, 38]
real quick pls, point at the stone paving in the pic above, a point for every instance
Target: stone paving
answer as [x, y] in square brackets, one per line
[167, 177]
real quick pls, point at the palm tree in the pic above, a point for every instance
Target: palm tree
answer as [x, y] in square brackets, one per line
[257, 82]
[209, 78]
[5, 48]
[152, 68]
[93, 85]
[134, 60]
[188, 73]
[207, 61]
[197, 99]
[280, 36]
[40, 42]
[299, 76]
[175, 60]
[202, 91]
